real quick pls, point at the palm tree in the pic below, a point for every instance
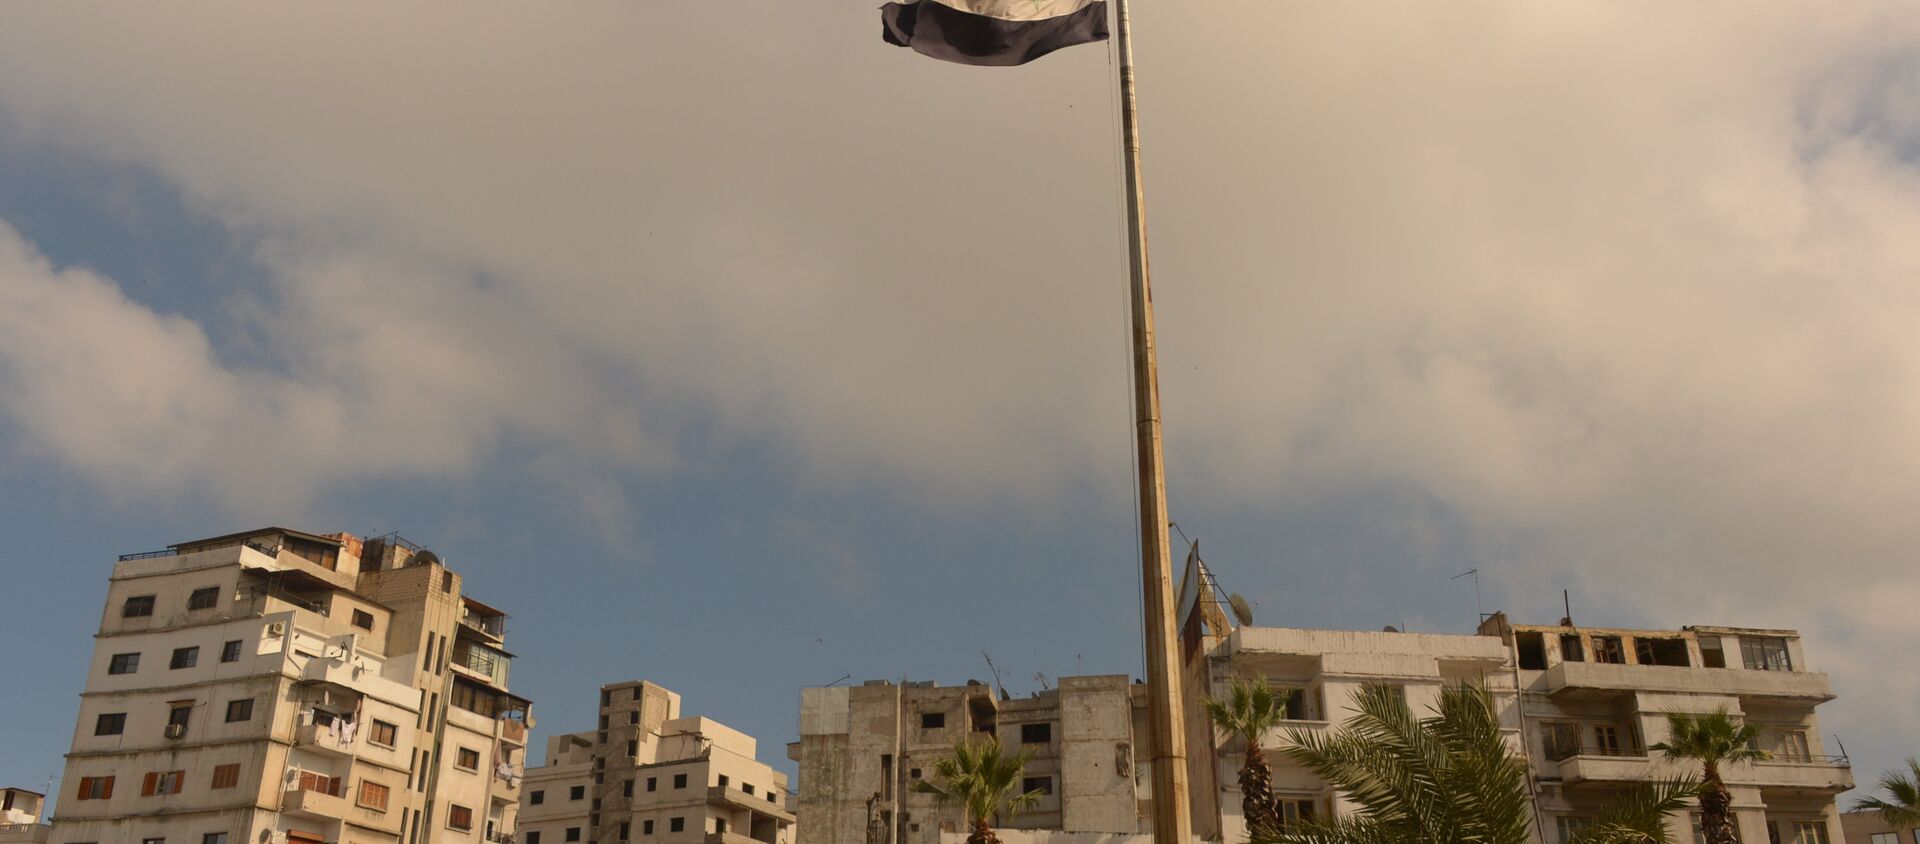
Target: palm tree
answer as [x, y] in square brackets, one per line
[1247, 713]
[984, 780]
[1450, 777]
[1713, 739]
[1903, 810]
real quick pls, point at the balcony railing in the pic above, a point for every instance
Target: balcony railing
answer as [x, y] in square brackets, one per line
[1563, 754]
[492, 625]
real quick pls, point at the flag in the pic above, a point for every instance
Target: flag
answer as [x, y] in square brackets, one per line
[993, 32]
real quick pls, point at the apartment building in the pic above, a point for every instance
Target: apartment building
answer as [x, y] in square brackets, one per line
[1594, 699]
[648, 774]
[861, 748]
[20, 812]
[1871, 827]
[278, 686]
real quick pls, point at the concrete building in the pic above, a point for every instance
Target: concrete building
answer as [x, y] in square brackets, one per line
[1594, 699]
[648, 774]
[280, 686]
[1872, 828]
[20, 812]
[862, 747]
[1319, 672]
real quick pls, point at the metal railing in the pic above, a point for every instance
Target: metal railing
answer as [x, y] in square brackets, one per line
[1840, 761]
[1561, 754]
[148, 555]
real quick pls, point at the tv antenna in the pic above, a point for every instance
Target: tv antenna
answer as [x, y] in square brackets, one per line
[999, 676]
[1477, 606]
[1041, 678]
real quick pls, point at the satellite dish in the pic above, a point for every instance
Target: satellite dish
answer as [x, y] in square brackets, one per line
[1240, 609]
[425, 558]
[1389, 629]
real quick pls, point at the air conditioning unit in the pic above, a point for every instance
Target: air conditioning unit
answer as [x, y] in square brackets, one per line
[277, 629]
[175, 731]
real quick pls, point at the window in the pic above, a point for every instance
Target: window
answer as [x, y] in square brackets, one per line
[95, 788]
[446, 582]
[1560, 740]
[1293, 811]
[533, 837]
[633, 717]
[1711, 656]
[110, 723]
[578, 792]
[1886, 838]
[1789, 746]
[1533, 650]
[383, 734]
[123, 664]
[1041, 733]
[538, 798]
[1607, 649]
[363, 619]
[180, 715]
[626, 830]
[1570, 826]
[653, 783]
[468, 759]
[933, 720]
[1662, 650]
[573, 833]
[1570, 650]
[153, 841]
[239, 710]
[226, 776]
[184, 658]
[773, 797]
[1765, 653]
[373, 796]
[886, 776]
[679, 780]
[626, 789]
[646, 827]
[723, 781]
[748, 787]
[162, 782]
[676, 824]
[214, 838]
[1807, 832]
[138, 606]
[1606, 738]
[1044, 785]
[1294, 704]
[459, 817]
[230, 652]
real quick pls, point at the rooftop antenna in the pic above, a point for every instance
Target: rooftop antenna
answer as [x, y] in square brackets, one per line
[998, 675]
[1042, 680]
[843, 679]
[1477, 606]
[1566, 602]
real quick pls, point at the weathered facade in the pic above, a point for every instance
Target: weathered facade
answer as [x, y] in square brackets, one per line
[20, 812]
[648, 774]
[861, 748]
[280, 686]
[1872, 828]
[1594, 699]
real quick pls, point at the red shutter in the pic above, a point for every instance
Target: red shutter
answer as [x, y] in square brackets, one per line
[151, 784]
[179, 777]
[86, 786]
[107, 793]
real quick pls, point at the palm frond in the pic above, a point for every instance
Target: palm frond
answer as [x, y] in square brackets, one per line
[1901, 806]
[1640, 816]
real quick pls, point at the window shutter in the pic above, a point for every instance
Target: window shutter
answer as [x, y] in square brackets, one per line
[107, 792]
[151, 784]
[179, 778]
[86, 785]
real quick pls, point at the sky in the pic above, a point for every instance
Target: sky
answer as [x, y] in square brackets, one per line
[730, 348]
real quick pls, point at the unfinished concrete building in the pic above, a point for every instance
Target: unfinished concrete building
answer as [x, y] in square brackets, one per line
[861, 748]
[648, 774]
[282, 686]
[1594, 699]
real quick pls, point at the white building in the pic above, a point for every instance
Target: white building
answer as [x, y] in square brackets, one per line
[648, 774]
[280, 686]
[20, 812]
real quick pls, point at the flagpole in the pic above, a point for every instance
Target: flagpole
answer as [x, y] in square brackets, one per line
[1172, 822]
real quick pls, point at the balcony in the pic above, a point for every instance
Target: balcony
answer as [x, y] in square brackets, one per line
[319, 738]
[1595, 765]
[1591, 679]
[513, 732]
[1820, 774]
[315, 804]
[721, 795]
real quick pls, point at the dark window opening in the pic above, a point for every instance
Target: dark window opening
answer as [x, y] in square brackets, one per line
[1607, 649]
[1041, 733]
[138, 606]
[363, 619]
[1570, 650]
[230, 652]
[1533, 650]
[933, 720]
[1044, 785]
[1662, 651]
[1711, 656]
[203, 599]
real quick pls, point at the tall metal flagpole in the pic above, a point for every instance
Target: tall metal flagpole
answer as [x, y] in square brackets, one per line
[1172, 823]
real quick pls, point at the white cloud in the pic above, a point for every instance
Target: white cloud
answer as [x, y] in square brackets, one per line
[1628, 288]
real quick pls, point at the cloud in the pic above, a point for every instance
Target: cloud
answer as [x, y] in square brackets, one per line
[1628, 290]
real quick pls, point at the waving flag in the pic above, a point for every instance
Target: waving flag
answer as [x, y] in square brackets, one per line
[993, 32]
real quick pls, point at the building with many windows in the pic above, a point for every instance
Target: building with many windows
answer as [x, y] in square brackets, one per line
[278, 686]
[647, 774]
[863, 747]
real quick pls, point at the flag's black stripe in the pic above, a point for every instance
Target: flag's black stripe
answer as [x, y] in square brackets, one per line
[946, 33]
